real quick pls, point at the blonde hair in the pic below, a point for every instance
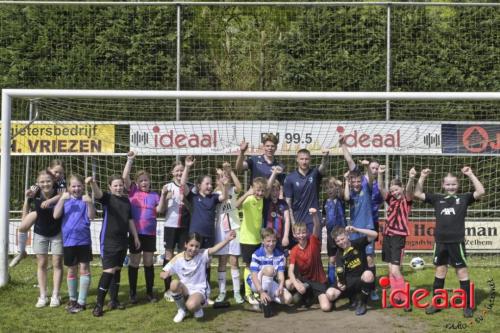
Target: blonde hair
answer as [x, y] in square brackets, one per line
[142, 173]
[267, 232]
[276, 184]
[77, 177]
[332, 181]
[299, 226]
[259, 181]
[55, 163]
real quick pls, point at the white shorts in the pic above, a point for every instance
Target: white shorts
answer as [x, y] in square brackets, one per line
[204, 292]
[271, 290]
[233, 248]
[44, 245]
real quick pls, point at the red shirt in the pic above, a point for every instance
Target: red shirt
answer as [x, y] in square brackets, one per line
[308, 261]
[397, 216]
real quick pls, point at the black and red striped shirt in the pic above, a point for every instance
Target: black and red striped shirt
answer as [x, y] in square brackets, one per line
[398, 214]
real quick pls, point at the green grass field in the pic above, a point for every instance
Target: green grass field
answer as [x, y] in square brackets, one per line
[18, 312]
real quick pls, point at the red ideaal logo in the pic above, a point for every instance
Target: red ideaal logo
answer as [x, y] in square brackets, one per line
[171, 139]
[365, 140]
[439, 300]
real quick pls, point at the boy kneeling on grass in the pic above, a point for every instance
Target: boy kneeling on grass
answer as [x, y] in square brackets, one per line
[354, 279]
[306, 272]
[268, 263]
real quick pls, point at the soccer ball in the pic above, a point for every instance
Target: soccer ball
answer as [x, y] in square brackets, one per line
[417, 263]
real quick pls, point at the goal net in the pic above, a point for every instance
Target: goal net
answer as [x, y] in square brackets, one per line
[93, 135]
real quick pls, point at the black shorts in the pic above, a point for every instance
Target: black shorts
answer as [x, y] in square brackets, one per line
[353, 287]
[393, 249]
[331, 247]
[450, 254]
[112, 258]
[376, 228]
[173, 237]
[148, 244]
[246, 252]
[73, 255]
[315, 288]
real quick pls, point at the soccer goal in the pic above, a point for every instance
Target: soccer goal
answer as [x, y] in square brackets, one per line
[91, 131]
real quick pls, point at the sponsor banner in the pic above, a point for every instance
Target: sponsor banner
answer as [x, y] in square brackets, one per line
[479, 236]
[215, 138]
[62, 138]
[471, 139]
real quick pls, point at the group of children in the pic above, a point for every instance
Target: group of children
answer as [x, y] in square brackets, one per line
[281, 226]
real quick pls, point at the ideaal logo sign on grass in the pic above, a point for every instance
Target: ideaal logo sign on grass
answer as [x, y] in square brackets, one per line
[62, 138]
[471, 139]
[479, 235]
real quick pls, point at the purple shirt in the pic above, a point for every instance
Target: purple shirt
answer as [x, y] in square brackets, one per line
[76, 223]
[144, 210]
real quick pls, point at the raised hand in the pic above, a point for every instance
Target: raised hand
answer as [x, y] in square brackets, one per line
[189, 161]
[89, 180]
[425, 172]
[350, 229]
[277, 169]
[131, 155]
[467, 171]
[243, 146]
[412, 172]
[381, 169]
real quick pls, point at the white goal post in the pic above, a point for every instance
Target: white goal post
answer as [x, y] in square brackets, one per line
[9, 94]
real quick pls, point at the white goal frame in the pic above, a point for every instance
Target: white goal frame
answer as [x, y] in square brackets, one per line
[9, 94]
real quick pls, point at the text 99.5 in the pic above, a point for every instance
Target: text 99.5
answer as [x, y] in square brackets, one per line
[298, 138]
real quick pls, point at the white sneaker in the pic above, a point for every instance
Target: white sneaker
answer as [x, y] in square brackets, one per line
[252, 300]
[210, 301]
[42, 302]
[17, 259]
[221, 297]
[199, 314]
[181, 314]
[55, 301]
[168, 296]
